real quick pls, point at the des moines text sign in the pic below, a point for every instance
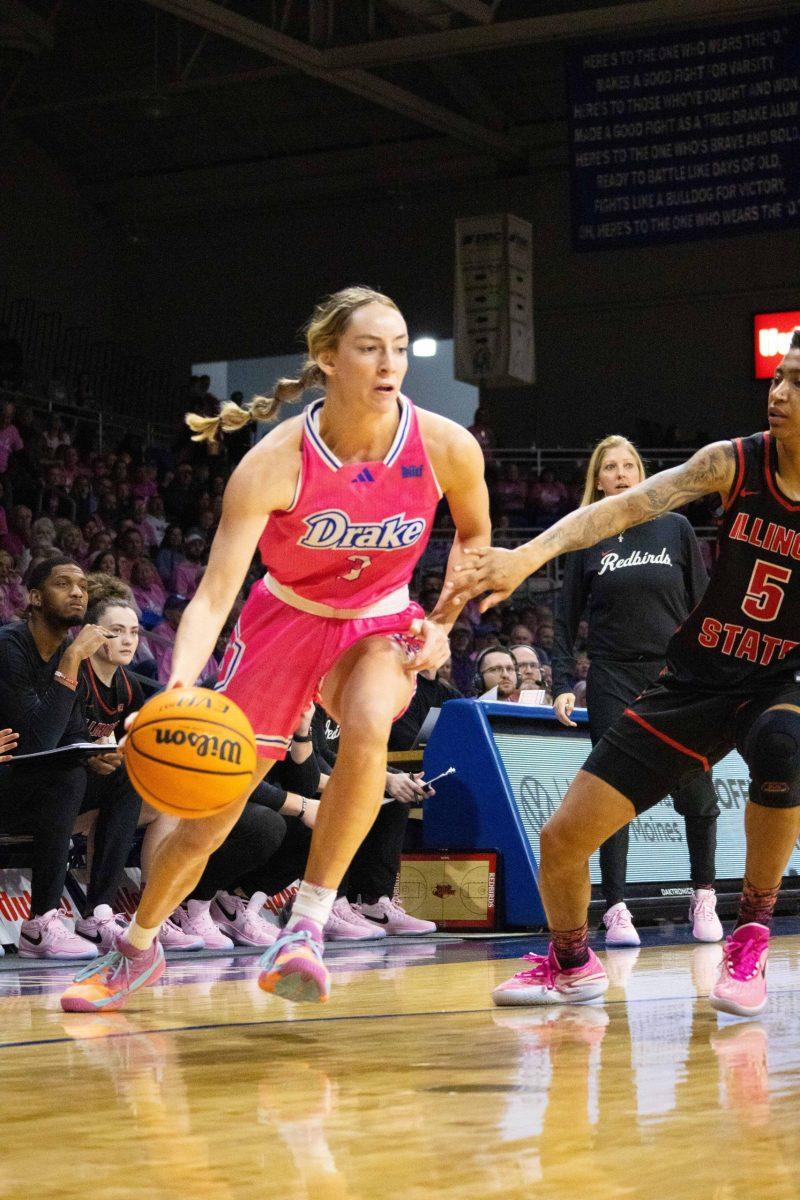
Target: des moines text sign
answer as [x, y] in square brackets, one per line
[685, 136]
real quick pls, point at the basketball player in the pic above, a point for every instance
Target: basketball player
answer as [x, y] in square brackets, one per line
[340, 502]
[732, 678]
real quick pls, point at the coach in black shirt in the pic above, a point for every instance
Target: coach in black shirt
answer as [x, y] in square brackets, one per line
[39, 698]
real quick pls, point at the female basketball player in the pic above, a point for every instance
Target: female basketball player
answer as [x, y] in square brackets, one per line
[340, 502]
[732, 678]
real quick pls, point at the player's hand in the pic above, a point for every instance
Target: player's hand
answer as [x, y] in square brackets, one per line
[88, 640]
[498, 571]
[563, 706]
[405, 788]
[309, 817]
[105, 764]
[8, 744]
[304, 728]
[435, 648]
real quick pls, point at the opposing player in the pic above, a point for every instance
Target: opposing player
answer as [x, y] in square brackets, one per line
[340, 502]
[732, 678]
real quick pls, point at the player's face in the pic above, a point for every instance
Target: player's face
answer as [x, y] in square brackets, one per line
[124, 623]
[369, 364]
[619, 471]
[783, 410]
[63, 596]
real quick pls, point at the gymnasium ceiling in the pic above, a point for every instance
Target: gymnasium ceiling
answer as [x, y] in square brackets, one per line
[170, 106]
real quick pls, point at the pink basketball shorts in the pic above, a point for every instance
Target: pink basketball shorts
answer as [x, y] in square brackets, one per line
[277, 657]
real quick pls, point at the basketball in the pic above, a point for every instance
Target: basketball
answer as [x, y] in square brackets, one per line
[190, 752]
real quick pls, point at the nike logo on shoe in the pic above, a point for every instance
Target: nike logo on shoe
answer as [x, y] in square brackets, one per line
[90, 937]
[33, 941]
[377, 920]
[228, 916]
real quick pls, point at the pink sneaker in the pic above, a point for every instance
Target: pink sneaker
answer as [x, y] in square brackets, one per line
[293, 968]
[172, 937]
[48, 937]
[391, 915]
[106, 984]
[195, 917]
[345, 924]
[102, 927]
[619, 925]
[549, 983]
[706, 926]
[242, 920]
[741, 988]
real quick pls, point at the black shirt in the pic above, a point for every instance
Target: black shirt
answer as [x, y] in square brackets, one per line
[639, 587]
[106, 706]
[430, 693]
[44, 712]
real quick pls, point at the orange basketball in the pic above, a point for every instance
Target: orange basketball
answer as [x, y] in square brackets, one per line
[190, 752]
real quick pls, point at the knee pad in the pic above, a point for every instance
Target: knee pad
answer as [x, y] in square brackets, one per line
[772, 751]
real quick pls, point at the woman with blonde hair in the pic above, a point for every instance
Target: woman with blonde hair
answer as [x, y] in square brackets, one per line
[638, 587]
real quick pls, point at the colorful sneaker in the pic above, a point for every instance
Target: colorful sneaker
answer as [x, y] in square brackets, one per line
[48, 937]
[106, 984]
[391, 915]
[194, 917]
[706, 926]
[242, 920]
[293, 968]
[101, 928]
[172, 937]
[549, 983]
[345, 925]
[741, 988]
[620, 930]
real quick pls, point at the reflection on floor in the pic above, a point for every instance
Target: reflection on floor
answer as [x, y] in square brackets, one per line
[408, 1084]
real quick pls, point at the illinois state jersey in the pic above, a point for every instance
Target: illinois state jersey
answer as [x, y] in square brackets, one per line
[745, 632]
[355, 531]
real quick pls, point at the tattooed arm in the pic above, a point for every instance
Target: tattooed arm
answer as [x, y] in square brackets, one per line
[500, 572]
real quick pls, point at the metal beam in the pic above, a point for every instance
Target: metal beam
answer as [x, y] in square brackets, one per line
[313, 62]
[615, 20]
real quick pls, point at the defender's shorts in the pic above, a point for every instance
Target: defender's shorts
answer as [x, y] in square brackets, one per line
[277, 657]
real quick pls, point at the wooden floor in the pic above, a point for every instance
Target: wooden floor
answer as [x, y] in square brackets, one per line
[408, 1084]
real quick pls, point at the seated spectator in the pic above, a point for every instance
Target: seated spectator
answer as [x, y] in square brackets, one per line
[520, 635]
[130, 548]
[187, 574]
[54, 500]
[148, 590]
[462, 667]
[544, 638]
[105, 562]
[145, 483]
[529, 668]
[155, 520]
[17, 540]
[55, 434]
[162, 640]
[496, 675]
[10, 438]
[39, 698]
[13, 593]
[510, 494]
[170, 553]
[180, 496]
[69, 540]
[84, 499]
[68, 459]
[482, 431]
[547, 498]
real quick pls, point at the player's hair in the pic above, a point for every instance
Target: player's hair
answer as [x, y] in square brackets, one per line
[322, 332]
[591, 491]
[96, 611]
[794, 344]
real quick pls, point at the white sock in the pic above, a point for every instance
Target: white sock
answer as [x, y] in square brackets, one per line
[312, 902]
[139, 936]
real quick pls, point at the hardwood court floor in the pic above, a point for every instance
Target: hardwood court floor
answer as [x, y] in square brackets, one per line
[408, 1084]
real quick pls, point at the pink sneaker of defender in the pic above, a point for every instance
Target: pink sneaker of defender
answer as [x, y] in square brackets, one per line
[292, 968]
[393, 918]
[706, 925]
[741, 988]
[194, 917]
[101, 928]
[345, 924]
[105, 985]
[242, 919]
[48, 937]
[548, 983]
[172, 937]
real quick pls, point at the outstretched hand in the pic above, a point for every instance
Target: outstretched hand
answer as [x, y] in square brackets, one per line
[495, 570]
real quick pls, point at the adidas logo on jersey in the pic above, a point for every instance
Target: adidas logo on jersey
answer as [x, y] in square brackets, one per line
[364, 476]
[333, 530]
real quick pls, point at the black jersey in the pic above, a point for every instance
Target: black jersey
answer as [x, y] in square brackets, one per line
[744, 634]
[106, 706]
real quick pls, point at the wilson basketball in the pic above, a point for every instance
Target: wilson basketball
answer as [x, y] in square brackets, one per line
[190, 752]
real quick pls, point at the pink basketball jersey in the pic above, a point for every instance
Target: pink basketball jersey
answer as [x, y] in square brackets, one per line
[355, 531]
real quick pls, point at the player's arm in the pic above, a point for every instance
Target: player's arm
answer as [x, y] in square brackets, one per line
[500, 572]
[263, 483]
[459, 465]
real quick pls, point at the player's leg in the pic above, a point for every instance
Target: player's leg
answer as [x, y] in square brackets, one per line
[696, 801]
[177, 865]
[772, 826]
[363, 691]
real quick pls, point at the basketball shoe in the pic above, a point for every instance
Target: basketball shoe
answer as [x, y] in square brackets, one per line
[194, 917]
[620, 930]
[241, 919]
[706, 925]
[48, 937]
[345, 924]
[741, 987]
[106, 985]
[101, 928]
[293, 968]
[172, 937]
[391, 916]
[547, 982]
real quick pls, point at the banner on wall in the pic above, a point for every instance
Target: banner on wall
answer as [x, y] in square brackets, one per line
[685, 135]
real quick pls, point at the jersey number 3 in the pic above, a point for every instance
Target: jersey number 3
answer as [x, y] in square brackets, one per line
[764, 595]
[361, 561]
